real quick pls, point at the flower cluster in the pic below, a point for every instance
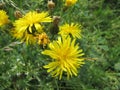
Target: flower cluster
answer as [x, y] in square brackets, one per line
[65, 52]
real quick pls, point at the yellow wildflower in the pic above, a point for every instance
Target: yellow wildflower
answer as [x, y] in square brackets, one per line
[70, 2]
[25, 37]
[42, 39]
[30, 24]
[73, 29]
[3, 18]
[66, 57]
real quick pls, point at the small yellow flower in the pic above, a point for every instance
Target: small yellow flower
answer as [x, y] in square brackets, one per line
[66, 57]
[73, 29]
[3, 18]
[42, 39]
[30, 24]
[70, 2]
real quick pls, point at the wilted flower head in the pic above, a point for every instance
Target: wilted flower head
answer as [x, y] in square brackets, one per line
[70, 2]
[71, 29]
[30, 24]
[42, 39]
[3, 18]
[66, 57]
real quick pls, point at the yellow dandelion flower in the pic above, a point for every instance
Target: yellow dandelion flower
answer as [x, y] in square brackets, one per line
[28, 38]
[70, 2]
[3, 18]
[71, 29]
[66, 57]
[30, 24]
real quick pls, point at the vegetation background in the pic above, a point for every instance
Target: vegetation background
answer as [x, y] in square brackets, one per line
[21, 66]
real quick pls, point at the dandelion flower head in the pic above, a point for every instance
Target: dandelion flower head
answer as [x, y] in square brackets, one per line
[30, 24]
[70, 2]
[3, 18]
[71, 29]
[66, 55]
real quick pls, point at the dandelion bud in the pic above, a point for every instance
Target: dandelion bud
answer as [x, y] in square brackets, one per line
[17, 14]
[51, 4]
[56, 20]
[2, 5]
[54, 27]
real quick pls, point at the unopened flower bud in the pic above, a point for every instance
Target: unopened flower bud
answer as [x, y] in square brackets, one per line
[2, 5]
[51, 4]
[17, 14]
[56, 20]
[54, 27]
